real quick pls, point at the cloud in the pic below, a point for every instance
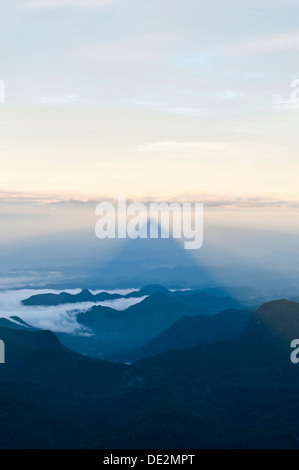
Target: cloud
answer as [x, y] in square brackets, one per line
[65, 99]
[248, 201]
[39, 198]
[209, 199]
[51, 4]
[179, 147]
[61, 318]
[233, 201]
[147, 48]
[166, 108]
[118, 53]
[282, 103]
[229, 95]
[266, 45]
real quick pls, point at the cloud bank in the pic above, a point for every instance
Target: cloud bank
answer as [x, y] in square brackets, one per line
[61, 318]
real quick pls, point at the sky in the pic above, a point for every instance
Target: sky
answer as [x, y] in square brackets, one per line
[153, 99]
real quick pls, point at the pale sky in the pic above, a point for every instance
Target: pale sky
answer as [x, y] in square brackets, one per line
[150, 98]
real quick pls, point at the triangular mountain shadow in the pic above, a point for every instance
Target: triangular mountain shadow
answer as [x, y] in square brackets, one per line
[164, 261]
[143, 261]
[79, 259]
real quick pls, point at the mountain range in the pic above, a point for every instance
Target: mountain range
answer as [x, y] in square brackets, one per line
[189, 331]
[86, 296]
[113, 332]
[237, 393]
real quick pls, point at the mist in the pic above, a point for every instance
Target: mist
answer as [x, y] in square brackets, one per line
[59, 319]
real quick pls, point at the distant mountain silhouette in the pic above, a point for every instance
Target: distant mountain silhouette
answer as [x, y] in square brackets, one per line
[15, 323]
[86, 296]
[114, 332]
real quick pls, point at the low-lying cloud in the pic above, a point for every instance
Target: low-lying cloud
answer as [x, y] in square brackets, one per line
[52, 4]
[60, 318]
